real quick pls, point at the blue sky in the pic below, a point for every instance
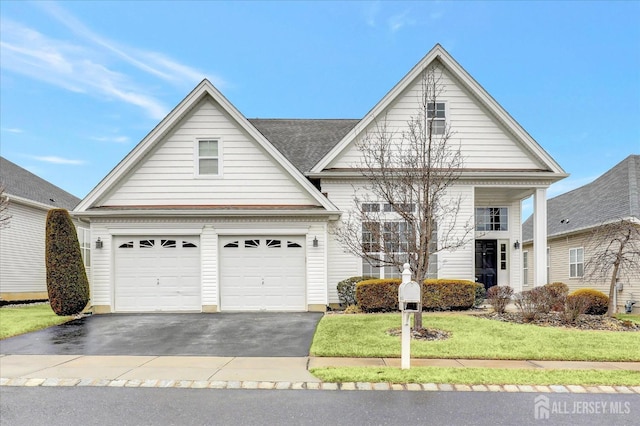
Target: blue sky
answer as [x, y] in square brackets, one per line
[83, 82]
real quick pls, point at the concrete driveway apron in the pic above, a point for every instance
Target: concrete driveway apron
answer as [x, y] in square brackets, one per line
[221, 334]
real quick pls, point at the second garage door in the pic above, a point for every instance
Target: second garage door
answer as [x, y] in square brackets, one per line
[262, 273]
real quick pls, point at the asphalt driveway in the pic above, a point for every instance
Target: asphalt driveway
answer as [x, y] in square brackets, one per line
[221, 334]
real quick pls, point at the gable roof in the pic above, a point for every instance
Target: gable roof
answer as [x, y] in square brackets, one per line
[614, 195]
[304, 141]
[440, 54]
[22, 184]
[202, 90]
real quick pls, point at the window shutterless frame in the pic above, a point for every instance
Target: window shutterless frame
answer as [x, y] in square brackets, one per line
[208, 157]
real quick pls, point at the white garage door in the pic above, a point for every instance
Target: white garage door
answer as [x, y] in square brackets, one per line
[157, 274]
[262, 273]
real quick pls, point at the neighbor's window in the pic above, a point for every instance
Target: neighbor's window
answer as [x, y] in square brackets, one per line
[84, 238]
[208, 157]
[525, 267]
[436, 116]
[576, 262]
[492, 219]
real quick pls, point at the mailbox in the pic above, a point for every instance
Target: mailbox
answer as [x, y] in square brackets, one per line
[409, 297]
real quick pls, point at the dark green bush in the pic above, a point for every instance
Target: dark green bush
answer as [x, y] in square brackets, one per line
[347, 290]
[445, 294]
[378, 295]
[67, 282]
[499, 297]
[598, 301]
[481, 293]
[557, 293]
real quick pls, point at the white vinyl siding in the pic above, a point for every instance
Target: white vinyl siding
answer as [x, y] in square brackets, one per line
[485, 142]
[169, 176]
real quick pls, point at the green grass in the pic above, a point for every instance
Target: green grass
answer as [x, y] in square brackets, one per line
[629, 317]
[478, 376]
[24, 319]
[472, 338]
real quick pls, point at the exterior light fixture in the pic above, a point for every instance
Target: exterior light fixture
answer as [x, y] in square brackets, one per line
[315, 241]
[516, 245]
[98, 243]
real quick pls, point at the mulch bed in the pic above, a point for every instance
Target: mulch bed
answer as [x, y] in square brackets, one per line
[555, 319]
[422, 334]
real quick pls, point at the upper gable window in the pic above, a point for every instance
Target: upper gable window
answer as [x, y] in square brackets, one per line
[437, 117]
[208, 157]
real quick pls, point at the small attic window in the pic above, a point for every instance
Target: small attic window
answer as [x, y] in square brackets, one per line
[208, 158]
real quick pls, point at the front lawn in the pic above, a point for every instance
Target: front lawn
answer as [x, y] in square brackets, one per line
[364, 335]
[629, 317]
[478, 376]
[23, 319]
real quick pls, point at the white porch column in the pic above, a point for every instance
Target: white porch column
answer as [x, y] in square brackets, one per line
[540, 237]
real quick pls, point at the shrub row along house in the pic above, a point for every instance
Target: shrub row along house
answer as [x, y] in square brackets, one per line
[22, 235]
[212, 211]
[573, 220]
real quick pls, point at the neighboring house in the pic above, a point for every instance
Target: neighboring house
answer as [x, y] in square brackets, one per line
[214, 212]
[573, 216]
[22, 240]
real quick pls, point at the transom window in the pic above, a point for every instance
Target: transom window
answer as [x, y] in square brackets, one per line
[492, 219]
[576, 262]
[208, 157]
[436, 116]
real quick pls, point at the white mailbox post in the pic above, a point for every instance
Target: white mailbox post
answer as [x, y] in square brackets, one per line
[409, 302]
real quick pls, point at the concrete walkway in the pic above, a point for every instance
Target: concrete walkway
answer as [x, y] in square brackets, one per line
[260, 373]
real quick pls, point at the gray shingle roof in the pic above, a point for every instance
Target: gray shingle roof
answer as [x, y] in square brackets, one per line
[22, 183]
[614, 195]
[303, 141]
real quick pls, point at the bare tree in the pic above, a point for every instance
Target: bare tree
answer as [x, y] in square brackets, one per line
[5, 217]
[406, 209]
[612, 252]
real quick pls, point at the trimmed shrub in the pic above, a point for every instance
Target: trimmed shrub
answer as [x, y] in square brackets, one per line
[67, 283]
[575, 305]
[378, 295]
[481, 293]
[598, 301]
[445, 294]
[558, 294]
[347, 290]
[499, 297]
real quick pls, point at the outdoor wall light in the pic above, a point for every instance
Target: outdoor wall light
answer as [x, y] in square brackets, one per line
[516, 245]
[315, 241]
[98, 243]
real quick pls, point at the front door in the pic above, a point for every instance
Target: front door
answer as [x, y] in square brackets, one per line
[486, 262]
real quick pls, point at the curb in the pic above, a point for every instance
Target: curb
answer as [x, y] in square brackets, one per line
[346, 386]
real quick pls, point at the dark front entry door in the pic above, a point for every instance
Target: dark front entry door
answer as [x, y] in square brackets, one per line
[487, 262]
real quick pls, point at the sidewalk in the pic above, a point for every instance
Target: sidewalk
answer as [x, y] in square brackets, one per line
[259, 373]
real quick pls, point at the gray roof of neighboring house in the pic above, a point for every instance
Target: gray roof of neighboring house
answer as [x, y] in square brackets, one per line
[303, 142]
[22, 183]
[614, 195]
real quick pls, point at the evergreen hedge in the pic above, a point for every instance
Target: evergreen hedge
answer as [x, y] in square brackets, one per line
[67, 283]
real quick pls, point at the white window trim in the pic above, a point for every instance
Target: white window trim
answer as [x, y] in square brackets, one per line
[576, 263]
[525, 267]
[196, 157]
[446, 116]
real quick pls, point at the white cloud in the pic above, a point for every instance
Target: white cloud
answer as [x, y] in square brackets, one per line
[91, 64]
[399, 21]
[371, 13]
[114, 139]
[58, 160]
[12, 130]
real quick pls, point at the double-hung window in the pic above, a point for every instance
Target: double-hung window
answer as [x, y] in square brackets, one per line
[208, 157]
[576, 262]
[437, 118]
